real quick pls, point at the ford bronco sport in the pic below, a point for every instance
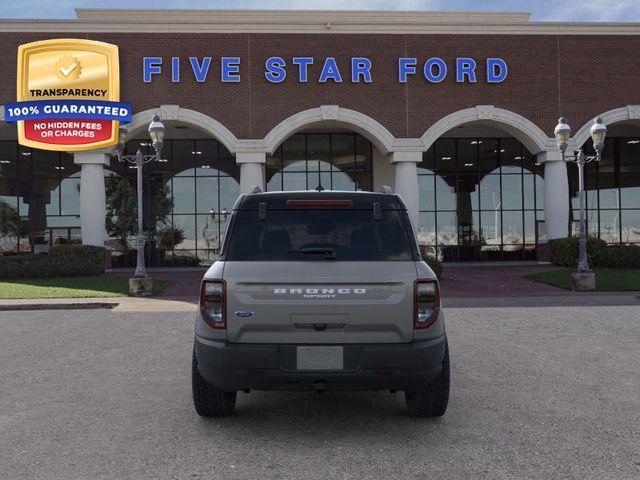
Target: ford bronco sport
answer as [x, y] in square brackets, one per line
[320, 291]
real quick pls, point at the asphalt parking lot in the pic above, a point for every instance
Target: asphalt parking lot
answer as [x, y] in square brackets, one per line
[548, 392]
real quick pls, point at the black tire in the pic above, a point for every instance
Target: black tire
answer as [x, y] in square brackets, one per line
[432, 399]
[208, 400]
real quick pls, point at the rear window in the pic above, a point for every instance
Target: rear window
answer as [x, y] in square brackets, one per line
[319, 235]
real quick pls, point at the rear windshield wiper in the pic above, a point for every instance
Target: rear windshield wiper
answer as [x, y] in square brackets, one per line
[329, 253]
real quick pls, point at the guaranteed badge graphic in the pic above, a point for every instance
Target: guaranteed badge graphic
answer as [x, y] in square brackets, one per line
[68, 94]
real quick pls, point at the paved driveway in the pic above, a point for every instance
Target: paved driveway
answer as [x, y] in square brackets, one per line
[549, 392]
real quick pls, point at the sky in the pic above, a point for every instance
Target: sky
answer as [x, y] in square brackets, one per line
[542, 10]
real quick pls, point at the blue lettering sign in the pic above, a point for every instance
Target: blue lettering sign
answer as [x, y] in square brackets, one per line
[275, 69]
[428, 70]
[465, 67]
[406, 66]
[360, 67]
[330, 71]
[151, 66]
[303, 64]
[496, 70]
[175, 69]
[200, 71]
[230, 69]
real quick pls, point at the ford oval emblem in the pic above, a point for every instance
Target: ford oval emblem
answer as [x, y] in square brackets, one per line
[244, 314]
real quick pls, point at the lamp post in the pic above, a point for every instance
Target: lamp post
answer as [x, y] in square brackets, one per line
[156, 133]
[583, 278]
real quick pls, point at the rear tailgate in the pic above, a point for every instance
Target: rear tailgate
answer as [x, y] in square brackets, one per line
[320, 302]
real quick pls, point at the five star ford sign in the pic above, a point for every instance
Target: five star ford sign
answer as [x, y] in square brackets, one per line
[68, 94]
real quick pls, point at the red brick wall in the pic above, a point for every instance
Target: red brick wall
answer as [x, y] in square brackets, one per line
[578, 76]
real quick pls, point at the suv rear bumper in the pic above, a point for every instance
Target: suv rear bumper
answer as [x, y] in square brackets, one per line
[243, 366]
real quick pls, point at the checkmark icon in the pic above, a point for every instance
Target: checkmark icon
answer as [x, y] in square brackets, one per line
[68, 68]
[66, 71]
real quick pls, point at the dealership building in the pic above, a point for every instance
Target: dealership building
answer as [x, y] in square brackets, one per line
[454, 111]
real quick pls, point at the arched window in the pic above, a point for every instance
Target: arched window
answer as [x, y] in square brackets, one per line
[331, 161]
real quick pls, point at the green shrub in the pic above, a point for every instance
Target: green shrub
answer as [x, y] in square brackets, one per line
[564, 252]
[618, 256]
[61, 261]
[181, 261]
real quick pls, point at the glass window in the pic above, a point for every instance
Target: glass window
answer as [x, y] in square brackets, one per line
[298, 235]
[294, 153]
[182, 159]
[426, 188]
[445, 194]
[511, 155]
[45, 163]
[488, 156]
[512, 192]
[207, 195]
[629, 155]
[188, 224]
[630, 190]
[445, 156]
[467, 154]
[631, 226]
[426, 166]
[70, 196]
[609, 225]
[490, 197]
[447, 228]
[183, 190]
[427, 228]
[8, 159]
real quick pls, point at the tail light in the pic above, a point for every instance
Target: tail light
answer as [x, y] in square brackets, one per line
[213, 303]
[426, 303]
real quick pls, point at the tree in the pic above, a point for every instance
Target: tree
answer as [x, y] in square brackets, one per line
[9, 222]
[122, 208]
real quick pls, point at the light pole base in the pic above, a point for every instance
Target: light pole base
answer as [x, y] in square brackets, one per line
[141, 286]
[583, 281]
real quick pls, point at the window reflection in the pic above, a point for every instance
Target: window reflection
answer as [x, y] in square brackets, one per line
[479, 199]
[331, 161]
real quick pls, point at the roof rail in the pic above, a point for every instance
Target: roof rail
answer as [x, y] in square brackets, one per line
[386, 189]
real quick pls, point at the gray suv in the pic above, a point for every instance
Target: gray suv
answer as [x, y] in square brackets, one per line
[320, 291]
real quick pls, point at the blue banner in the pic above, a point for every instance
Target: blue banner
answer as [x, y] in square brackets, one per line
[67, 109]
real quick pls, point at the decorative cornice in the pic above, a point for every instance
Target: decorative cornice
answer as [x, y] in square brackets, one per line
[310, 21]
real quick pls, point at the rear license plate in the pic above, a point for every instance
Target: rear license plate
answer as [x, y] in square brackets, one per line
[320, 358]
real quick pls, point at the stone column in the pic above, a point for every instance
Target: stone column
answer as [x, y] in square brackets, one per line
[406, 181]
[92, 195]
[556, 194]
[251, 170]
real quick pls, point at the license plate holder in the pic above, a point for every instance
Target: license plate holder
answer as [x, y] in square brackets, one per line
[320, 358]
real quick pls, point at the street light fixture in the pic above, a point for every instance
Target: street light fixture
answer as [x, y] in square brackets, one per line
[156, 133]
[598, 133]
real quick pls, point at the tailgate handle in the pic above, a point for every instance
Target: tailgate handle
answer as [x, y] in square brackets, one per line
[320, 327]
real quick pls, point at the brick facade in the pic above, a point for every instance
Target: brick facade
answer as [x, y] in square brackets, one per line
[574, 75]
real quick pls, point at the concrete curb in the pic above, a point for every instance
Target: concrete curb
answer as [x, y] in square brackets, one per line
[57, 306]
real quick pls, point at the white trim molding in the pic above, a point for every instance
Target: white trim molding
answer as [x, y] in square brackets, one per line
[157, 21]
[531, 136]
[332, 114]
[141, 120]
[622, 114]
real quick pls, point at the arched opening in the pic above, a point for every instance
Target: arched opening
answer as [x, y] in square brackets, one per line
[612, 186]
[329, 148]
[321, 158]
[481, 195]
[188, 196]
[39, 197]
